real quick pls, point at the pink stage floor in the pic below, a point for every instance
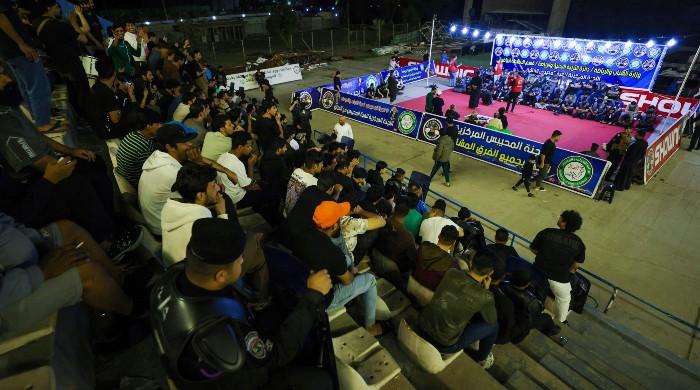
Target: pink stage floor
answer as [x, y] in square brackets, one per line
[533, 123]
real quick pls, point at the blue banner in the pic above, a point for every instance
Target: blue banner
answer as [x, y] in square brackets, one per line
[410, 73]
[570, 170]
[633, 65]
[385, 116]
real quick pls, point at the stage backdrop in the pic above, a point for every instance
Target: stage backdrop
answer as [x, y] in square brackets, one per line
[572, 171]
[631, 65]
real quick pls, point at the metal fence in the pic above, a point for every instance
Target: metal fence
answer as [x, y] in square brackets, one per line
[653, 322]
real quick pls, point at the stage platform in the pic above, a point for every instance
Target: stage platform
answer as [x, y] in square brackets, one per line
[525, 121]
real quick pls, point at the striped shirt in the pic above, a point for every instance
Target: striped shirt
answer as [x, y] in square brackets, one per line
[132, 153]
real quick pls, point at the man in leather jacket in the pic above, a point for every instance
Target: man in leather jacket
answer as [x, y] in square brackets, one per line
[207, 336]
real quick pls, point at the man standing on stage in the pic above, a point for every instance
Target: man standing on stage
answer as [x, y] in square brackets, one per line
[516, 87]
[474, 90]
[544, 161]
[497, 72]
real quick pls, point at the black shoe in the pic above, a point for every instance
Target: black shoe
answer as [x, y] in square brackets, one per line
[127, 241]
[530, 194]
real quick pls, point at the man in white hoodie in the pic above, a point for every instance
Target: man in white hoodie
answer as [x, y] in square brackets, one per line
[200, 197]
[160, 171]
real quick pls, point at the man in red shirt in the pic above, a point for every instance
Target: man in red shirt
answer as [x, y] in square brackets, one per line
[516, 87]
[497, 71]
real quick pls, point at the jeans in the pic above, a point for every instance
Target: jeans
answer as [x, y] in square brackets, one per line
[453, 78]
[512, 99]
[562, 299]
[363, 286]
[526, 181]
[35, 88]
[445, 169]
[541, 175]
[483, 332]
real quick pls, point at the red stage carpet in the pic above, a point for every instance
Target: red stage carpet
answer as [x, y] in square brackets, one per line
[533, 123]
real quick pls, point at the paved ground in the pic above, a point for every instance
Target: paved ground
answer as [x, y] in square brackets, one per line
[645, 242]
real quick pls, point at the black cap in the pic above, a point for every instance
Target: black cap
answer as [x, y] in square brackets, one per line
[440, 204]
[216, 241]
[170, 134]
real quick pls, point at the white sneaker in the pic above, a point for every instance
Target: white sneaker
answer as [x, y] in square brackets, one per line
[488, 362]
[541, 189]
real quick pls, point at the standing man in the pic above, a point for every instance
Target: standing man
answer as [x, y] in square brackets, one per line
[497, 71]
[558, 254]
[429, 107]
[635, 154]
[474, 90]
[336, 81]
[393, 85]
[516, 87]
[342, 129]
[441, 156]
[544, 162]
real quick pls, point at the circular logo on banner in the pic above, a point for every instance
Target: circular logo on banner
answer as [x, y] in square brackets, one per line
[622, 62]
[649, 162]
[371, 80]
[574, 57]
[614, 49]
[575, 171]
[407, 122]
[635, 63]
[499, 40]
[534, 54]
[554, 56]
[585, 59]
[597, 60]
[518, 42]
[564, 56]
[609, 61]
[524, 53]
[431, 129]
[327, 99]
[516, 52]
[639, 50]
[498, 51]
[506, 52]
[654, 52]
[305, 99]
[544, 54]
[527, 42]
[648, 64]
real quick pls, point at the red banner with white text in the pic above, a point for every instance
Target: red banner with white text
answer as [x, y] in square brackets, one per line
[665, 104]
[661, 150]
[440, 68]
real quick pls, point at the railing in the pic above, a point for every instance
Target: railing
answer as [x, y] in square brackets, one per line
[526, 243]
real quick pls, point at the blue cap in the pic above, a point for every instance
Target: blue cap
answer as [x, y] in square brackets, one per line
[187, 130]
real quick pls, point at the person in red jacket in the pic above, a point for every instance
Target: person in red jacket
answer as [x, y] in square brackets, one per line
[516, 87]
[497, 71]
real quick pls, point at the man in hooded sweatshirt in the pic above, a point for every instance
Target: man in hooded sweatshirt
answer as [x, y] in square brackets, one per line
[200, 197]
[161, 168]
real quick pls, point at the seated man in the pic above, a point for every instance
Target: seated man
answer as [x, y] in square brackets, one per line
[567, 106]
[504, 306]
[207, 334]
[50, 268]
[450, 320]
[361, 226]
[374, 176]
[397, 248]
[323, 247]
[527, 308]
[218, 141]
[199, 197]
[414, 218]
[434, 260]
[371, 92]
[303, 177]
[500, 247]
[103, 114]
[137, 146]
[434, 221]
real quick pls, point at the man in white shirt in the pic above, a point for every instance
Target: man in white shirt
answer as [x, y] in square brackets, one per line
[302, 178]
[342, 129]
[434, 221]
[246, 192]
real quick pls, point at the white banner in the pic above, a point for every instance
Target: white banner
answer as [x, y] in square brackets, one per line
[277, 75]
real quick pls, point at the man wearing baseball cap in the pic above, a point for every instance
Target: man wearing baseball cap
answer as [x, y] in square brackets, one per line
[174, 147]
[208, 336]
[325, 248]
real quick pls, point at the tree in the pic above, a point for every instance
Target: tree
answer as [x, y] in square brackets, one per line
[283, 22]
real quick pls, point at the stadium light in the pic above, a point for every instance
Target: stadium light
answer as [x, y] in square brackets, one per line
[499, 36]
[487, 35]
[182, 20]
[336, 15]
[147, 23]
[628, 44]
[475, 33]
[213, 17]
[453, 28]
[671, 42]
[557, 44]
[464, 30]
[607, 45]
[650, 43]
[571, 44]
[243, 15]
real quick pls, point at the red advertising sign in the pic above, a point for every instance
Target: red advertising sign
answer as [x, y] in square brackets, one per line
[440, 68]
[665, 104]
[661, 150]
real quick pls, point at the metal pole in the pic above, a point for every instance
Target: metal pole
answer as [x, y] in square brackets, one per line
[687, 74]
[348, 11]
[165, 10]
[380, 34]
[363, 36]
[269, 44]
[243, 47]
[393, 30]
[430, 52]
[332, 46]
[312, 39]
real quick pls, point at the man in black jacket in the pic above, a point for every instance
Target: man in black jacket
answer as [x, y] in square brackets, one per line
[635, 154]
[209, 338]
[527, 309]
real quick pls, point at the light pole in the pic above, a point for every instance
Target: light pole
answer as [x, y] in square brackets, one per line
[430, 52]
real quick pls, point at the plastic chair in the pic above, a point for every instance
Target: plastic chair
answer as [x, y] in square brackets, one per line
[421, 351]
[422, 294]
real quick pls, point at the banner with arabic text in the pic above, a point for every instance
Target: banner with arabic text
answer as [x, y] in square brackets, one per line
[633, 65]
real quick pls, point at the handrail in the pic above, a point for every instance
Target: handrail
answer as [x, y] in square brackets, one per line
[616, 289]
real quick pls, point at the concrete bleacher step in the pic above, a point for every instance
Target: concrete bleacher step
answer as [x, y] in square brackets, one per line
[634, 356]
[511, 359]
[391, 305]
[520, 381]
[355, 346]
[581, 366]
[566, 373]
[378, 369]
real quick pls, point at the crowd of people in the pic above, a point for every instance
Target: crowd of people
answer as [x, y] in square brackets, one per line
[197, 155]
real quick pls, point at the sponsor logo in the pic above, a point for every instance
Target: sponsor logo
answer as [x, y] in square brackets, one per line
[622, 62]
[654, 52]
[407, 122]
[327, 99]
[648, 64]
[371, 80]
[639, 50]
[575, 171]
[663, 104]
[306, 99]
[431, 129]
[498, 51]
